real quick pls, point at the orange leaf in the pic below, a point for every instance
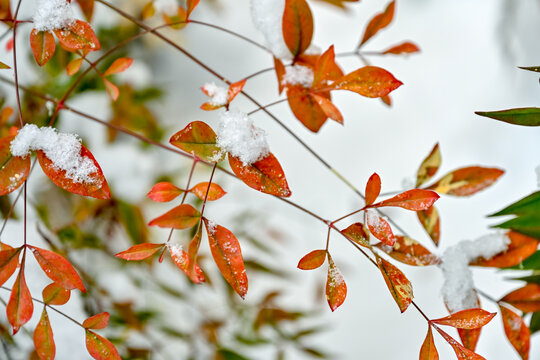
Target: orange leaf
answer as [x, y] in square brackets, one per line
[140, 252]
[312, 260]
[190, 6]
[280, 72]
[58, 269]
[373, 189]
[178, 20]
[43, 46]
[358, 233]
[164, 192]
[78, 36]
[199, 139]
[54, 294]
[397, 282]
[466, 181]
[462, 353]
[428, 351]
[380, 228]
[228, 257]
[328, 108]
[14, 170]
[180, 217]
[336, 289]
[297, 26]
[429, 166]
[9, 260]
[369, 81]
[265, 175]
[516, 331]
[306, 108]
[431, 222]
[404, 48]
[193, 249]
[469, 338]
[100, 348]
[387, 100]
[74, 66]
[112, 89]
[97, 322]
[87, 8]
[214, 193]
[415, 200]
[520, 248]
[325, 68]
[379, 21]
[181, 259]
[526, 299]
[98, 189]
[235, 89]
[466, 319]
[43, 338]
[20, 307]
[410, 252]
[4, 66]
[119, 65]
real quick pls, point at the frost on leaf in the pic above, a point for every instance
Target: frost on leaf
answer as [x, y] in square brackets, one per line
[336, 289]
[14, 170]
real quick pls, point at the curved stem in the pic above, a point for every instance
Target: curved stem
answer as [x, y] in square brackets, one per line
[267, 106]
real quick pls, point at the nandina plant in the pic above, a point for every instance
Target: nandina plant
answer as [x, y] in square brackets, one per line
[64, 46]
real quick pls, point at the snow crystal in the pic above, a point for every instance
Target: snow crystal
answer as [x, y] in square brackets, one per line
[211, 227]
[238, 135]
[458, 288]
[267, 16]
[53, 14]
[168, 7]
[538, 175]
[61, 148]
[218, 94]
[298, 75]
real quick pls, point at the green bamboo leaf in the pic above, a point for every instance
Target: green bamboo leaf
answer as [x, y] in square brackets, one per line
[521, 116]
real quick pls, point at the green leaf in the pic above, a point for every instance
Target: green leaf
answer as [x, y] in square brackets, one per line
[520, 116]
[530, 68]
[531, 263]
[535, 323]
[528, 225]
[528, 205]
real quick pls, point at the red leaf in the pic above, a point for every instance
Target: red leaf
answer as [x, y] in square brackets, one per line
[119, 65]
[235, 89]
[415, 200]
[43, 46]
[112, 89]
[379, 21]
[100, 348]
[54, 294]
[466, 181]
[329, 109]
[98, 189]
[380, 228]
[280, 72]
[306, 108]
[431, 222]
[466, 319]
[404, 48]
[462, 353]
[520, 248]
[358, 233]
[526, 299]
[410, 252]
[428, 351]
[181, 259]
[312, 260]
[326, 69]
[43, 338]
[9, 260]
[297, 26]
[164, 191]
[87, 8]
[336, 289]
[193, 249]
[215, 192]
[14, 169]
[19, 308]
[74, 66]
[516, 331]
[58, 269]
[199, 139]
[97, 322]
[397, 282]
[78, 36]
[180, 217]
[373, 189]
[265, 175]
[429, 166]
[369, 81]
[469, 338]
[140, 252]
[228, 257]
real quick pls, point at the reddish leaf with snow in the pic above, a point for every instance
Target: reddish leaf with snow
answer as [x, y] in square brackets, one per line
[20, 307]
[78, 36]
[430, 165]
[228, 257]
[181, 259]
[428, 351]
[336, 289]
[9, 260]
[58, 269]
[306, 108]
[235, 89]
[462, 353]
[181, 217]
[526, 299]
[54, 294]
[43, 45]
[404, 48]
[369, 81]
[467, 181]
[97, 322]
[397, 282]
[199, 139]
[119, 65]
[100, 348]
[297, 26]
[265, 175]
[312, 260]
[14, 170]
[516, 331]
[431, 222]
[466, 319]
[215, 192]
[373, 189]
[410, 252]
[140, 252]
[43, 338]
[379, 22]
[98, 189]
[380, 228]
[520, 247]
[164, 192]
[358, 233]
[414, 200]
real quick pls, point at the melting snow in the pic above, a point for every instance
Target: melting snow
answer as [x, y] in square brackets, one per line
[267, 16]
[298, 75]
[53, 14]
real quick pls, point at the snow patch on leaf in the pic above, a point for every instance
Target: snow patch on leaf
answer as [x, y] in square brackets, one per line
[53, 14]
[267, 16]
[211, 227]
[298, 75]
[218, 94]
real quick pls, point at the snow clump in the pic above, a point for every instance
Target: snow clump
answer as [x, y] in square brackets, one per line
[53, 14]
